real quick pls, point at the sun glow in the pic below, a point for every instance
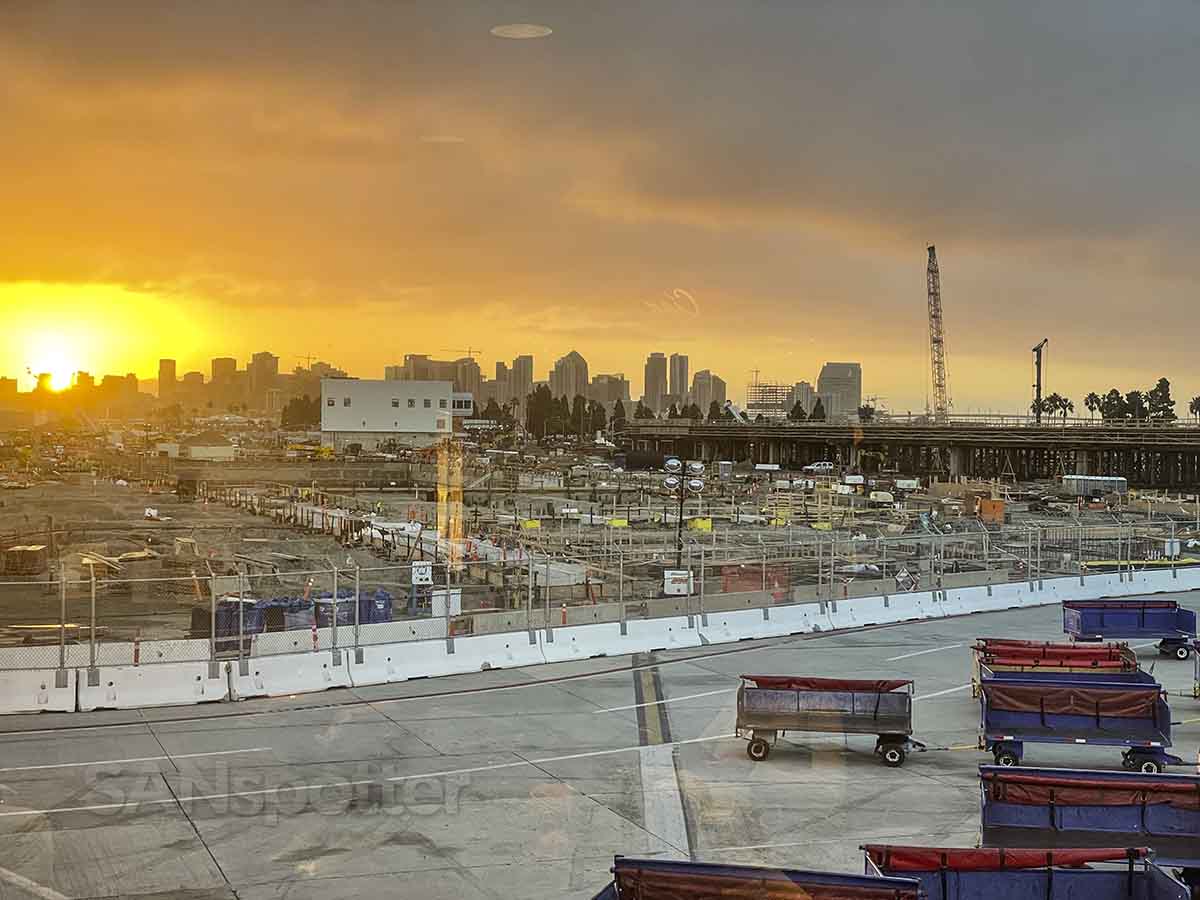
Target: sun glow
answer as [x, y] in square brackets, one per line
[53, 354]
[60, 329]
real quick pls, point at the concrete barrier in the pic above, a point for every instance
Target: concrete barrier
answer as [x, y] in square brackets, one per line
[34, 690]
[387, 663]
[161, 684]
[290, 673]
[645, 635]
[585, 641]
[499, 651]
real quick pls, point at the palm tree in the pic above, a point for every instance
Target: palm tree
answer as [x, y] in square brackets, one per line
[1194, 406]
[1066, 407]
[1092, 402]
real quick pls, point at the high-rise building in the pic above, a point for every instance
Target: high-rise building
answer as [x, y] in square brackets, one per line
[655, 381]
[502, 388]
[841, 382]
[679, 376]
[569, 377]
[707, 389]
[8, 393]
[522, 377]
[166, 380]
[83, 380]
[223, 368]
[463, 373]
[262, 372]
[768, 399]
[804, 394]
[608, 389]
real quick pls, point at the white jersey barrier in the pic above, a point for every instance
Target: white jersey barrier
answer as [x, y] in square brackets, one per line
[289, 673]
[164, 683]
[35, 690]
[160, 684]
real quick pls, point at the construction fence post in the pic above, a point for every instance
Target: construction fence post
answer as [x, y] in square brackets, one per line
[243, 663]
[333, 635]
[703, 614]
[93, 672]
[214, 668]
[621, 590]
[60, 677]
[358, 650]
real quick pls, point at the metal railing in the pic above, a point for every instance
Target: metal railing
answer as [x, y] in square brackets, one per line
[82, 618]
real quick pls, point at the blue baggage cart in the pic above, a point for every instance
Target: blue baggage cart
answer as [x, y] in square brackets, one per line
[661, 879]
[1095, 620]
[1040, 874]
[1075, 708]
[1085, 808]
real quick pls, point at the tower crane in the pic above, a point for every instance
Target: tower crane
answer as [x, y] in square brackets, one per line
[937, 340]
[1037, 380]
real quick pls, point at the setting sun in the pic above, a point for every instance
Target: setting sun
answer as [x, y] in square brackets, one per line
[53, 354]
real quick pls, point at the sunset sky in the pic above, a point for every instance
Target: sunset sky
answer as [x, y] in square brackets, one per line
[360, 180]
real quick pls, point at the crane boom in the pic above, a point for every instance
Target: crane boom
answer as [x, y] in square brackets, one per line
[937, 340]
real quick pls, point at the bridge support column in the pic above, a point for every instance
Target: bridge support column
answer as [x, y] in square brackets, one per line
[1083, 460]
[955, 461]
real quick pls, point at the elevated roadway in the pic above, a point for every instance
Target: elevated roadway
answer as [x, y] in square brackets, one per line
[1152, 455]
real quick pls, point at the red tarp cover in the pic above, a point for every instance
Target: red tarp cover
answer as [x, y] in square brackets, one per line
[1041, 790]
[892, 859]
[660, 884]
[800, 683]
[1123, 703]
[1035, 663]
[984, 643]
[1053, 651]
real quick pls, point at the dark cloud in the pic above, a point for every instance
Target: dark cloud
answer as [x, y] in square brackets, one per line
[785, 162]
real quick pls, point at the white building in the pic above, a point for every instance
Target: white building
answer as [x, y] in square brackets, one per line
[411, 413]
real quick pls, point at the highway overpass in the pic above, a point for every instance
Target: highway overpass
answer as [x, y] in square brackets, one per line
[1160, 455]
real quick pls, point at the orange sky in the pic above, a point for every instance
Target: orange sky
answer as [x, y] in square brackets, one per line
[358, 182]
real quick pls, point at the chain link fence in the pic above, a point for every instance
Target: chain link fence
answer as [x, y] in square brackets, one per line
[90, 613]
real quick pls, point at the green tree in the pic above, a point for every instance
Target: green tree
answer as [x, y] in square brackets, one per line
[643, 411]
[597, 418]
[1092, 403]
[579, 419]
[1194, 406]
[818, 412]
[1112, 405]
[492, 411]
[797, 413]
[672, 413]
[714, 412]
[539, 408]
[618, 413]
[301, 412]
[866, 413]
[1159, 404]
[1135, 405]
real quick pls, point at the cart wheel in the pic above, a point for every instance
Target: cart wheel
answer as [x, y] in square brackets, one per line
[758, 749]
[1183, 651]
[1149, 766]
[1007, 758]
[893, 756]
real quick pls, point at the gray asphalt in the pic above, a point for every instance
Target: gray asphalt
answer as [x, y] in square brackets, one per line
[505, 783]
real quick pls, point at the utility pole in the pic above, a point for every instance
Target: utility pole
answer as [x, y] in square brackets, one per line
[1037, 384]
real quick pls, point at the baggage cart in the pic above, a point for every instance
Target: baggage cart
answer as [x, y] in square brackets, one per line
[1095, 620]
[769, 706]
[1070, 708]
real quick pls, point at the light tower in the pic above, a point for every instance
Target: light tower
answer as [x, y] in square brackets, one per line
[937, 340]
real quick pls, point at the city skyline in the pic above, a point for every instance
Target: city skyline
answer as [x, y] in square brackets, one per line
[174, 193]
